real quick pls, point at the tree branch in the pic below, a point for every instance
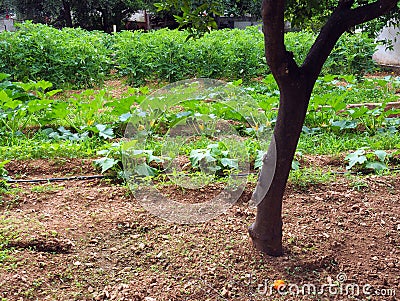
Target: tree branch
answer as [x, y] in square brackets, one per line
[370, 11]
[279, 59]
[342, 19]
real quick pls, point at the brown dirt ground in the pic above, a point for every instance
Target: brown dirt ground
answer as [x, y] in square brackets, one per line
[91, 240]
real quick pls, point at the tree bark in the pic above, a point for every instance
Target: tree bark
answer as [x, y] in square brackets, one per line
[67, 13]
[266, 232]
[295, 85]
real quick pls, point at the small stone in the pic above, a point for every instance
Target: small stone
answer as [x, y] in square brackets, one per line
[113, 249]
[391, 265]
[99, 296]
[90, 289]
[225, 292]
[398, 227]
[149, 299]
[77, 263]
[375, 258]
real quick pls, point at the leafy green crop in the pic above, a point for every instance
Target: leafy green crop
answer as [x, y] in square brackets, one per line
[78, 58]
[362, 159]
[69, 56]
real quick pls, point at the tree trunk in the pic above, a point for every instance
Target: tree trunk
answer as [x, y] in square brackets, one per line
[67, 13]
[266, 232]
[105, 19]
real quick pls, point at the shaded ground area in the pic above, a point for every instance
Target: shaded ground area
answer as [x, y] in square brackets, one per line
[91, 240]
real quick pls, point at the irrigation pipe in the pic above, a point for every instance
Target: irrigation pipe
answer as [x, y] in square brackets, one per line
[76, 178]
[88, 178]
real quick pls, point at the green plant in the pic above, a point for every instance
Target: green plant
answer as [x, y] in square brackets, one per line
[70, 56]
[3, 171]
[304, 178]
[23, 104]
[362, 160]
[213, 159]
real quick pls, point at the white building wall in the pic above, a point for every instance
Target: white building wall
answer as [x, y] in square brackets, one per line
[385, 56]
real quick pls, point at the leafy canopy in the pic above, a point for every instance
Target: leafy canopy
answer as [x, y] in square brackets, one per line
[198, 15]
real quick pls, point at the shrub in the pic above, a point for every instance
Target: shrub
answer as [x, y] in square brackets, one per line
[39, 52]
[166, 55]
[351, 55]
[80, 58]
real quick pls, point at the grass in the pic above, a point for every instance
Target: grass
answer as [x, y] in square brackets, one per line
[24, 148]
[333, 144]
[305, 177]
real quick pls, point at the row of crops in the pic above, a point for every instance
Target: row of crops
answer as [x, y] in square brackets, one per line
[38, 119]
[78, 58]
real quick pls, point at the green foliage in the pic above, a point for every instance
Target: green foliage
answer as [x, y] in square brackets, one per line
[22, 104]
[213, 159]
[196, 18]
[166, 55]
[304, 178]
[86, 14]
[69, 56]
[77, 58]
[3, 171]
[351, 55]
[362, 160]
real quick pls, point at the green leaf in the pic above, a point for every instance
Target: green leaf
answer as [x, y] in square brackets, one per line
[43, 85]
[3, 76]
[105, 163]
[105, 132]
[381, 154]
[357, 113]
[295, 165]
[237, 83]
[259, 159]
[198, 155]
[155, 159]
[231, 163]
[356, 158]
[145, 170]
[344, 124]
[125, 117]
[4, 96]
[53, 92]
[377, 166]
[339, 105]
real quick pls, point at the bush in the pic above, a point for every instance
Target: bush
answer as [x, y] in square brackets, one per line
[166, 55]
[80, 58]
[39, 52]
[226, 54]
[352, 54]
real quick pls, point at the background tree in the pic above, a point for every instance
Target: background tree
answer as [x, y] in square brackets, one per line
[88, 14]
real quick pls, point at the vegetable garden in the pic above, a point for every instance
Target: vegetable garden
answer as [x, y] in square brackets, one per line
[69, 95]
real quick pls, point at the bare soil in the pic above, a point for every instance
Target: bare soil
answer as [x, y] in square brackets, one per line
[91, 240]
